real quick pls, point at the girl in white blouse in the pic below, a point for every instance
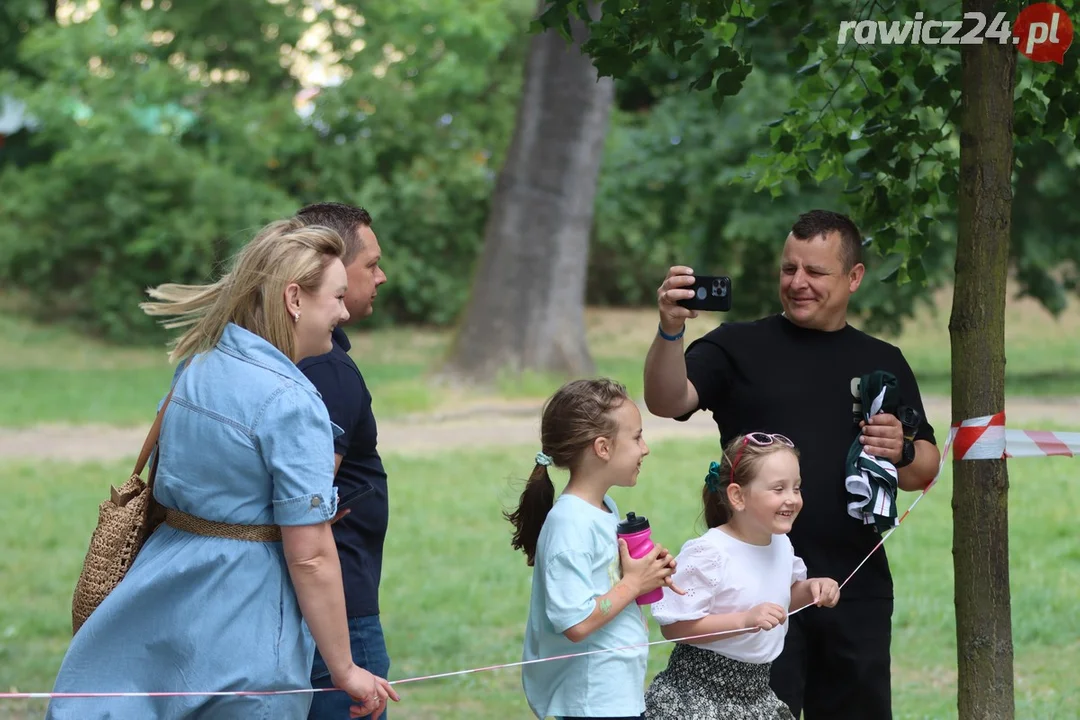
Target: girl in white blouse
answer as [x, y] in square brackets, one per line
[741, 578]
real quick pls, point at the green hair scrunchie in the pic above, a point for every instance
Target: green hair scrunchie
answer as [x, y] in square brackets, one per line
[712, 480]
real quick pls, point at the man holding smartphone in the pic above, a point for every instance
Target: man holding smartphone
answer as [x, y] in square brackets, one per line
[793, 373]
[359, 475]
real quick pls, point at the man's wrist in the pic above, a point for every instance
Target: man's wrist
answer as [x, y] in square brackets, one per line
[671, 337]
[907, 454]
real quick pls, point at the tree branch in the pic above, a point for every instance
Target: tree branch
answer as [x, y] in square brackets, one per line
[843, 81]
[948, 117]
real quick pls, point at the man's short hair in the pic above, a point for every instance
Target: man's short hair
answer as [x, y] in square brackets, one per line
[343, 219]
[822, 222]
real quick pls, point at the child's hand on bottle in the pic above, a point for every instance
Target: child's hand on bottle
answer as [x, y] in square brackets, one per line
[765, 616]
[648, 572]
[670, 580]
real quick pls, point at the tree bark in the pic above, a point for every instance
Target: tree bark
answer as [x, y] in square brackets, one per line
[527, 308]
[977, 331]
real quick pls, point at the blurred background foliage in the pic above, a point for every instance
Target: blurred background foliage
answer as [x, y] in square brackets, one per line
[144, 141]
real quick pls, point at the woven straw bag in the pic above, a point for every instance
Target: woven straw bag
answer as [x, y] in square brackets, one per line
[125, 520]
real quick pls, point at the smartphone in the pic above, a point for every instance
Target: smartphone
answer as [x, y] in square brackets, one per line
[711, 292]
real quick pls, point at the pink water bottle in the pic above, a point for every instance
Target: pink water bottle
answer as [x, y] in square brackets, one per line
[635, 531]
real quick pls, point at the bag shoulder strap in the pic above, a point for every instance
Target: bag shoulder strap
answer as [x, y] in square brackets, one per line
[152, 437]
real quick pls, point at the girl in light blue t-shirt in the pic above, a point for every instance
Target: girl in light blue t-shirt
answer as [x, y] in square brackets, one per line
[584, 580]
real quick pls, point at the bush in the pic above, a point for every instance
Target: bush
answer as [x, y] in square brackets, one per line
[88, 232]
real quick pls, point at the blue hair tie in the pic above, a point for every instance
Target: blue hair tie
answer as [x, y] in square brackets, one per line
[712, 480]
[542, 459]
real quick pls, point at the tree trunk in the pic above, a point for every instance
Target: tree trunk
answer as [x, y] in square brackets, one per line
[977, 330]
[527, 309]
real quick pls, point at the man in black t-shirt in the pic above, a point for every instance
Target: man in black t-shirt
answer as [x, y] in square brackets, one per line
[796, 373]
[360, 478]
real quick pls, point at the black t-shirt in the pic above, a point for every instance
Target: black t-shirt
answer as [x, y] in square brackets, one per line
[773, 376]
[360, 534]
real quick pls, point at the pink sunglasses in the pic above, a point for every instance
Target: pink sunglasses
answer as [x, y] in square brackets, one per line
[761, 439]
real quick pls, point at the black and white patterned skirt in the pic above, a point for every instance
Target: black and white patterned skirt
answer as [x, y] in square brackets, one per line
[700, 684]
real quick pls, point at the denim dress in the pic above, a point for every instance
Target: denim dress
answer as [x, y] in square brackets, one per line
[246, 440]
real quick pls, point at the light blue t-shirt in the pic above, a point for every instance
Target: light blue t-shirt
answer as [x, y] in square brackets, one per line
[577, 561]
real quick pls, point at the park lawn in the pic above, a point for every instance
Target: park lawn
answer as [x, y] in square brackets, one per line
[51, 375]
[455, 595]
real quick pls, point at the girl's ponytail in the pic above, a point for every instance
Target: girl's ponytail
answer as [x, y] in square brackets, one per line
[537, 499]
[714, 494]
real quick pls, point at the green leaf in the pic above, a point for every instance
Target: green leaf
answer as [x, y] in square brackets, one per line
[1070, 103]
[948, 184]
[915, 270]
[725, 58]
[1052, 89]
[687, 52]
[881, 204]
[924, 75]
[889, 267]
[886, 237]
[731, 81]
[841, 144]
[824, 172]
[868, 160]
[1055, 119]
[798, 56]
[873, 81]
[703, 81]
[902, 169]
[742, 10]
[920, 240]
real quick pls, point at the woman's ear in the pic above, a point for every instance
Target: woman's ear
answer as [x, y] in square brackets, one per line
[292, 299]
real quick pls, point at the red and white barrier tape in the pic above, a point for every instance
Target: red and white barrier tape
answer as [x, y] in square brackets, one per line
[987, 438]
[981, 438]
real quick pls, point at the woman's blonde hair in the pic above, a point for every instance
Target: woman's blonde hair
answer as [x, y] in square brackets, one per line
[252, 293]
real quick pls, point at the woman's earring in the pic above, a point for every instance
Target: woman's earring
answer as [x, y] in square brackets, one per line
[296, 317]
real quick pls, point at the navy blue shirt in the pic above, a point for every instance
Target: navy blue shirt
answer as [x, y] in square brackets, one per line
[361, 480]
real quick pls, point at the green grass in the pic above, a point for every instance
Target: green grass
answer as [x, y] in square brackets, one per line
[1042, 353]
[456, 596]
[51, 375]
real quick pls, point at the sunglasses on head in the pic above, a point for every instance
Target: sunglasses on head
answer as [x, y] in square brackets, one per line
[760, 439]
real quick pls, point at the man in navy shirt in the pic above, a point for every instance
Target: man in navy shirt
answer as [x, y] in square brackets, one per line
[360, 478]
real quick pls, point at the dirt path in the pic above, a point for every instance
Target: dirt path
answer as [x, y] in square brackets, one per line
[480, 426]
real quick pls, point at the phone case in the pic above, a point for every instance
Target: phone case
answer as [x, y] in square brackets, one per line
[712, 293]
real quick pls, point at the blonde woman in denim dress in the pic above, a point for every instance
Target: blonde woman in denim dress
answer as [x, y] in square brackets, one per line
[245, 440]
